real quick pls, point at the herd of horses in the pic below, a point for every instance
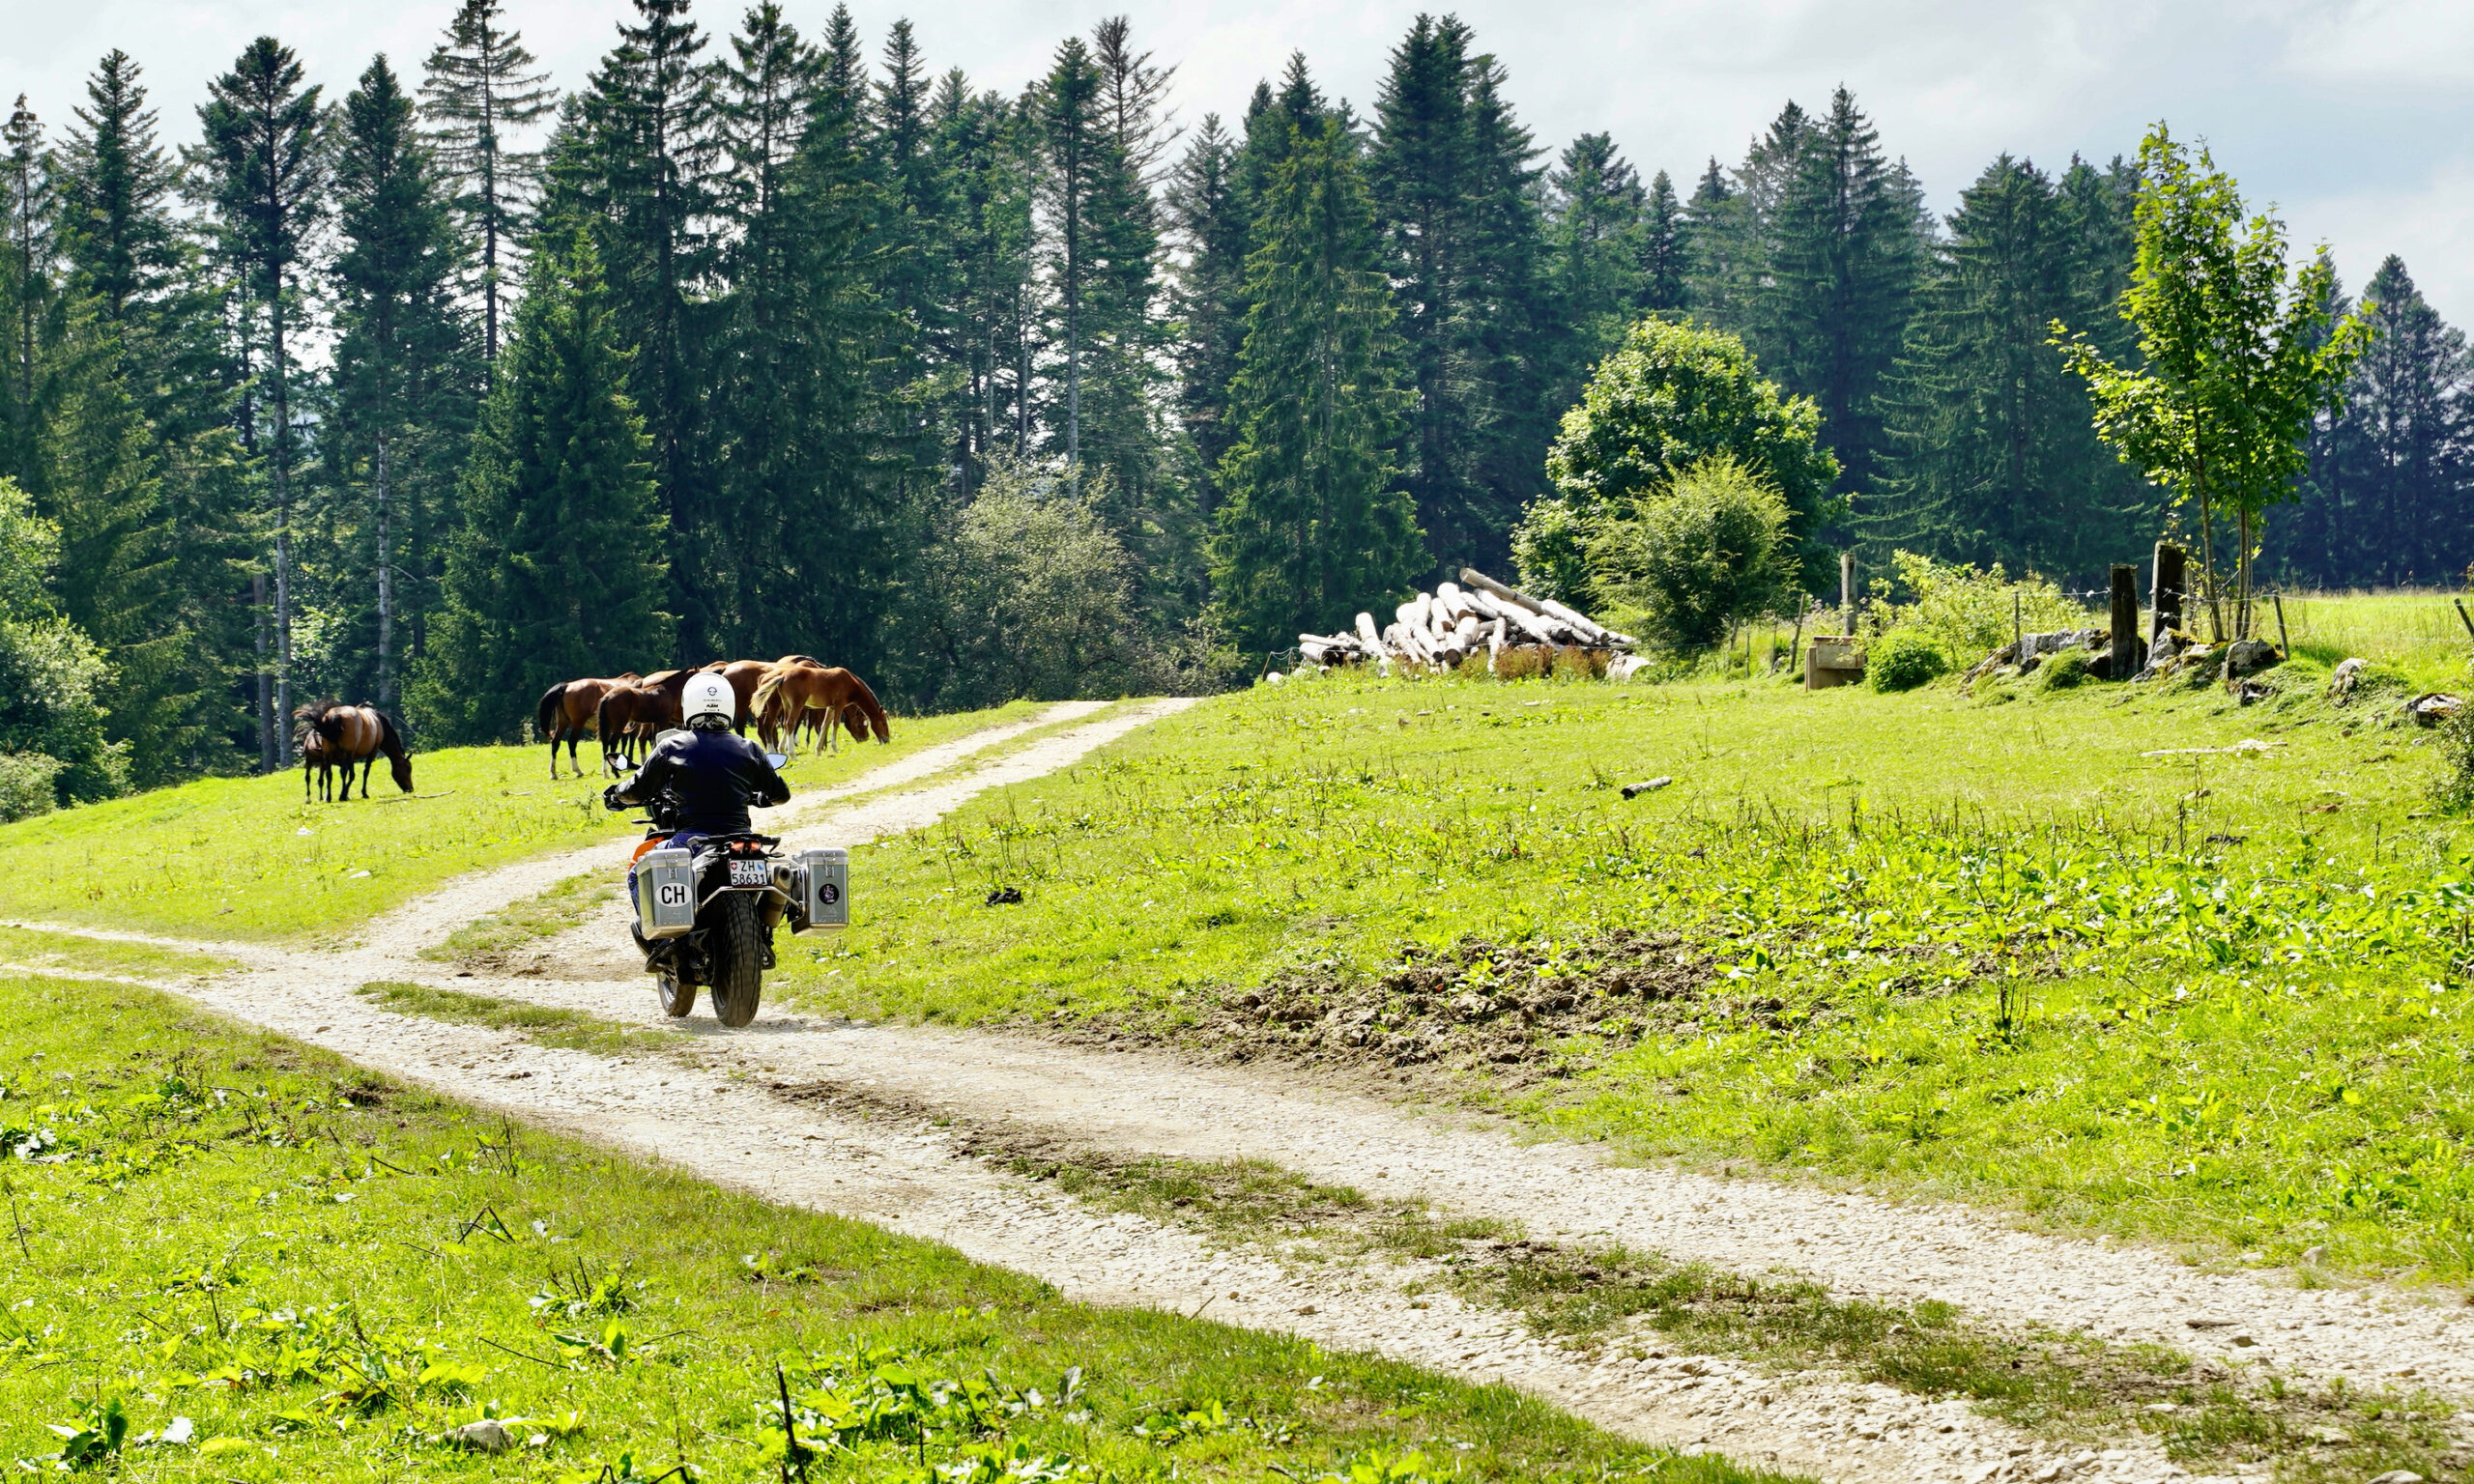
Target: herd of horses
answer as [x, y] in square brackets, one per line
[780, 697]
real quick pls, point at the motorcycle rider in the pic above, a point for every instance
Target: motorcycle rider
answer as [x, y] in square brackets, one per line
[712, 773]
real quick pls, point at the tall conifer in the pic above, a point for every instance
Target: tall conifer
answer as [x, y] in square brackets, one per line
[482, 88]
[1313, 522]
[558, 568]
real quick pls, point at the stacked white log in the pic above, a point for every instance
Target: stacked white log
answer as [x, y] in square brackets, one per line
[1441, 629]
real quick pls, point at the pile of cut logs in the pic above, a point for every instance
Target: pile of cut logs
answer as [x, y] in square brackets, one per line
[1438, 630]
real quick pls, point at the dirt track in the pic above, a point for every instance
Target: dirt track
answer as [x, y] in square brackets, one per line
[906, 1173]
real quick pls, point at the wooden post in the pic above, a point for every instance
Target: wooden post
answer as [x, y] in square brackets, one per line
[1796, 642]
[2284, 647]
[2462, 618]
[2018, 629]
[2165, 591]
[2124, 661]
[1847, 591]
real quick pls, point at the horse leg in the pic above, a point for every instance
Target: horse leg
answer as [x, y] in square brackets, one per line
[366, 764]
[554, 750]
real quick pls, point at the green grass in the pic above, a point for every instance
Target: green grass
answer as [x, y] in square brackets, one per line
[245, 858]
[1975, 945]
[2418, 633]
[24, 948]
[327, 1275]
[546, 914]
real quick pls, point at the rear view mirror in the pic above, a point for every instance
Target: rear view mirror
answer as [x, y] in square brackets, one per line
[777, 760]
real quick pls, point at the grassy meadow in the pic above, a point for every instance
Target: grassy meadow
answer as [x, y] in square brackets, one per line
[1985, 945]
[327, 1275]
[246, 858]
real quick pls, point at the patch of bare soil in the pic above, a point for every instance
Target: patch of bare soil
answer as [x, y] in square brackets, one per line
[1518, 1014]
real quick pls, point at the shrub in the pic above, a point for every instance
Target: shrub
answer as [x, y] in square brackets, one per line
[1547, 551]
[1904, 658]
[2455, 789]
[1967, 612]
[2062, 670]
[26, 781]
[1708, 550]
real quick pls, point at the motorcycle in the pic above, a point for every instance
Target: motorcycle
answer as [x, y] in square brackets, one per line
[708, 909]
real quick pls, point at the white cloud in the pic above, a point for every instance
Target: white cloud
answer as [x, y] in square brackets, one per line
[2420, 42]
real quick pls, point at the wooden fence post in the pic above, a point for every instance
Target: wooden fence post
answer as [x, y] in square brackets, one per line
[1847, 591]
[2165, 592]
[2124, 661]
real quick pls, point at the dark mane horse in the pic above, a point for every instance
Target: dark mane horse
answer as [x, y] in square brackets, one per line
[333, 735]
[569, 709]
[636, 712]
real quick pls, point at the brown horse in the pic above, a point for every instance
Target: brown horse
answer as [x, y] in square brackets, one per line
[314, 757]
[789, 691]
[349, 734]
[637, 712]
[568, 710]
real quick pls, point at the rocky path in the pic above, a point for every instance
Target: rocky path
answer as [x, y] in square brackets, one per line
[907, 1174]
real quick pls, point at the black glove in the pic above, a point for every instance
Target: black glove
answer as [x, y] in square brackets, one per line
[610, 799]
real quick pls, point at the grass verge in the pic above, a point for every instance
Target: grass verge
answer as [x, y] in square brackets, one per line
[488, 939]
[2142, 960]
[333, 1277]
[246, 858]
[30, 949]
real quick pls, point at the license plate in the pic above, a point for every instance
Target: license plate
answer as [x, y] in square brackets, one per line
[751, 873]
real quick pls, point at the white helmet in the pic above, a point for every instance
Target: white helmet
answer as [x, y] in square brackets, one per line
[709, 694]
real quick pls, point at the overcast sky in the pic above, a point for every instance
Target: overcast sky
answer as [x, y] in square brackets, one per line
[2350, 115]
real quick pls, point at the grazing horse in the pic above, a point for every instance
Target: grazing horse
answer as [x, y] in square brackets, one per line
[637, 712]
[789, 691]
[349, 734]
[567, 710]
[314, 757]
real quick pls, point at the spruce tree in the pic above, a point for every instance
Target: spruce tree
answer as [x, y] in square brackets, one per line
[986, 153]
[1992, 457]
[27, 273]
[405, 372]
[1594, 211]
[1455, 188]
[556, 570]
[1213, 224]
[1845, 260]
[639, 168]
[94, 476]
[1733, 223]
[2386, 503]
[1314, 523]
[266, 162]
[1666, 250]
[801, 558]
[480, 88]
[116, 185]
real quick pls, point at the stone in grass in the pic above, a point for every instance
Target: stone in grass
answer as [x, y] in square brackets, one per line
[2398, 1476]
[2347, 675]
[487, 1435]
[2250, 656]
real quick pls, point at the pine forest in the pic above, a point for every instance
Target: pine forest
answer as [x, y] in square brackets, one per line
[434, 380]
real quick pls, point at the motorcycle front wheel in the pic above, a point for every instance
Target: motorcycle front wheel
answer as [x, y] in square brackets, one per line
[737, 941]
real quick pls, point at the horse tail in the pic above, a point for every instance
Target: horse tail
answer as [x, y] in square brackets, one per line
[768, 688]
[865, 699]
[546, 716]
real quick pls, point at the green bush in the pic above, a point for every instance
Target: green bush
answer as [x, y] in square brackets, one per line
[2454, 788]
[1669, 397]
[2062, 670]
[1904, 658]
[1547, 551]
[26, 783]
[1706, 552]
[1967, 612]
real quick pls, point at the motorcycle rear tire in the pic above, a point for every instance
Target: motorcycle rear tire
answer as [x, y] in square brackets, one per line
[738, 959]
